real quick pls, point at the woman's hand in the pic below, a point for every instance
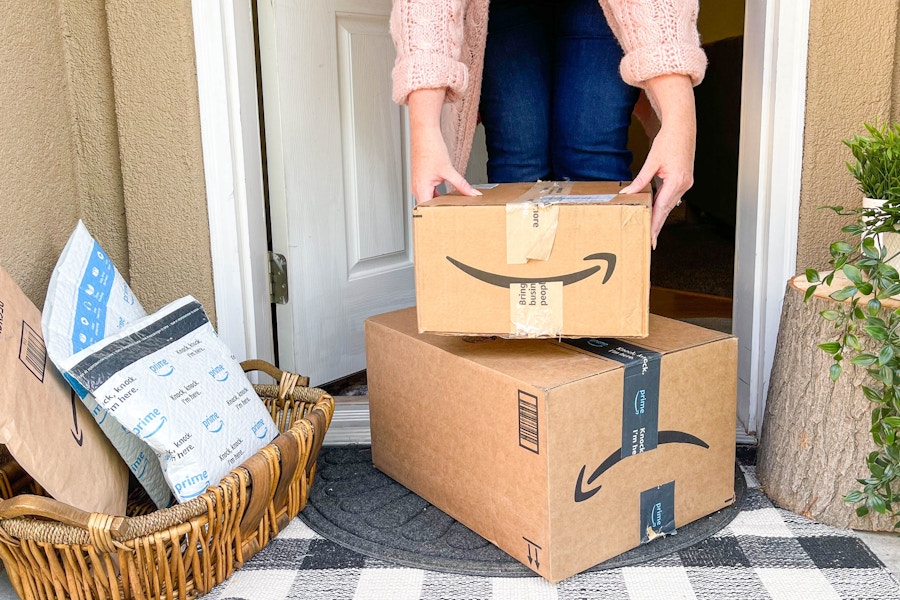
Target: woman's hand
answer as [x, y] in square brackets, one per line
[429, 160]
[671, 156]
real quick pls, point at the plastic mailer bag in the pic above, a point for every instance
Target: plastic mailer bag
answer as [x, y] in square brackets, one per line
[171, 381]
[88, 300]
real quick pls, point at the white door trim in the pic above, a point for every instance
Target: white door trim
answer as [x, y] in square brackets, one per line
[776, 38]
[229, 124]
[772, 120]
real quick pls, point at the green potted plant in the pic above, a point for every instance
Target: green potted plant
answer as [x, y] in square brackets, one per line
[866, 317]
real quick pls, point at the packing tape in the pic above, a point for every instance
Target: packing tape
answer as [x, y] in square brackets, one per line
[536, 309]
[530, 231]
[531, 224]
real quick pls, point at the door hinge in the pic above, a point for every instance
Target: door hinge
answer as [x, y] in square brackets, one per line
[278, 279]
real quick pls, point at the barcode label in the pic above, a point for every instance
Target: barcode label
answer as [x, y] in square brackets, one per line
[528, 422]
[33, 352]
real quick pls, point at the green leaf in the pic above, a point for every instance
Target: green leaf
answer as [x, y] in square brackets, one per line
[830, 315]
[864, 287]
[853, 274]
[840, 248]
[892, 421]
[876, 321]
[877, 504]
[809, 292]
[868, 248]
[877, 332]
[862, 511]
[830, 347]
[854, 496]
[812, 276]
[889, 291]
[869, 392]
[874, 306]
[886, 354]
[853, 341]
[835, 371]
[843, 293]
[864, 360]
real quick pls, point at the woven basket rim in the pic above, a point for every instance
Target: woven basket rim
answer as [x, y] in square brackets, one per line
[55, 532]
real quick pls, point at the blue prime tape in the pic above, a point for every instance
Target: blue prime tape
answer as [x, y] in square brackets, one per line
[640, 398]
[657, 511]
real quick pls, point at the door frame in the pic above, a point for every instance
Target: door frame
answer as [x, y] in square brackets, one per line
[232, 161]
[770, 164]
[776, 35]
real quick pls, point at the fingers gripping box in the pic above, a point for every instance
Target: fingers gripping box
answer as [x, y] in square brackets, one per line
[562, 453]
[535, 260]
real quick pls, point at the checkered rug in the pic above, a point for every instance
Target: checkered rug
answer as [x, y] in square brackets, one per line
[764, 553]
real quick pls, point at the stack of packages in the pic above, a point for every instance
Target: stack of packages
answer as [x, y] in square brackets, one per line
[159, 396]
[509, 399]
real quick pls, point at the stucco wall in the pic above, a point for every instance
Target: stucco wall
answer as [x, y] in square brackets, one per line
[39, 200]
[98, 170]
[158, 115]
[850, 80]
[100, 121]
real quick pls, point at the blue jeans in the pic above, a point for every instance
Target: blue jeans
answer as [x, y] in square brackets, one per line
[553, 103]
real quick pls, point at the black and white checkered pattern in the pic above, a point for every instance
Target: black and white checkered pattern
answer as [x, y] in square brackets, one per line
[764, 553]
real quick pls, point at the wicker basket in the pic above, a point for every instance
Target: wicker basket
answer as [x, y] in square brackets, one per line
[52, 550]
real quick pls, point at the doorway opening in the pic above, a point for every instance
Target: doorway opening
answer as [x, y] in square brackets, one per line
[692, 270]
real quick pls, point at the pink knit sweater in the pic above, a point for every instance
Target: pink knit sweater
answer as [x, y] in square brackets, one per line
[440, 44]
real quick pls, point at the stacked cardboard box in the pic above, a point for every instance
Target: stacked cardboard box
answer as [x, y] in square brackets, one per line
[534, 260]
[562, 452]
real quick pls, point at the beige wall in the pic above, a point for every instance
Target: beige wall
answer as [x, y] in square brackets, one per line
[851, 80]
[155, 79]
[100, 121]
[39, 201]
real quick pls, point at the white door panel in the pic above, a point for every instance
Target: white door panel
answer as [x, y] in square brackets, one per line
[336, 156]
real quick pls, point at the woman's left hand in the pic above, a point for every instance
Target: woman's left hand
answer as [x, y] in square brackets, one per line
[671, 156]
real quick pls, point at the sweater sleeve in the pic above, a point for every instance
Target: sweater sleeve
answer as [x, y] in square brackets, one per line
[428, 36]
[659, 38]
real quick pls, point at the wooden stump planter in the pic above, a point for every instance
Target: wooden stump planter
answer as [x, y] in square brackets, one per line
[815, 436]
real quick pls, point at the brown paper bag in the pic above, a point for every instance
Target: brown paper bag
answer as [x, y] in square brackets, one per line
[43, 423]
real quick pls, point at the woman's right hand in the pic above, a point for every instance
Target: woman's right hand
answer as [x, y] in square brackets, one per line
[429, 159]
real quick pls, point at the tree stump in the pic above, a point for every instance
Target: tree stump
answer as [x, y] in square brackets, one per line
[815, 436]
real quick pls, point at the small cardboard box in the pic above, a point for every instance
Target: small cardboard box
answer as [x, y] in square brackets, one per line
[535, 260]
[562, 453]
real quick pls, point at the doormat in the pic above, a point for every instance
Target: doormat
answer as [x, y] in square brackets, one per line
[763, 553]
[361, 508]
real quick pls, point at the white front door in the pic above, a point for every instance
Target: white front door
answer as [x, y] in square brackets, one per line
[336, 155]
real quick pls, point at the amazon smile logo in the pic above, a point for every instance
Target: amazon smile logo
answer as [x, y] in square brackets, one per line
[505, 281]
[583, 493]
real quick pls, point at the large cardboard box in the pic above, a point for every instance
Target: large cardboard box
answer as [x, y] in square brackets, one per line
[562, 453]
[535, 260]
[46, 428]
